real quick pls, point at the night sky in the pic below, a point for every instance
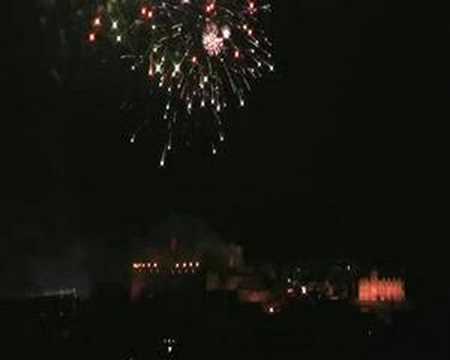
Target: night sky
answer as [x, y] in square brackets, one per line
[323, 160]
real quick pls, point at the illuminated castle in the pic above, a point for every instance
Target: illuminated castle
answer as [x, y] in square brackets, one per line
[177, 268]
[385, 290]
[165, 270]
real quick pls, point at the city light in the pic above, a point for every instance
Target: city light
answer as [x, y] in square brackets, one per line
[97, 22]
[374, 290]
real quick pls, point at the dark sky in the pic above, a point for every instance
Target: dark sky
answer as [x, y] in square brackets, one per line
[323, 159]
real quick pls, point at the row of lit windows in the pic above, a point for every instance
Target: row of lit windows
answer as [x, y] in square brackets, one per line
[185, 265]
[177, 266]
[381, 290]
[138, 266]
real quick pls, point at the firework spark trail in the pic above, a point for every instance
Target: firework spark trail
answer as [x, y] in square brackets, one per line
[200, 53]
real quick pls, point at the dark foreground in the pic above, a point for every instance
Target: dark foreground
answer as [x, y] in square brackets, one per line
[218, 329]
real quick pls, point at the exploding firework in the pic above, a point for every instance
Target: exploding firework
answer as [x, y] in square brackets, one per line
[212, 40]
[202, 54]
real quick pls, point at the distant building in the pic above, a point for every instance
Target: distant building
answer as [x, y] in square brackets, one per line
[375, 290]
[246, 283]
[179, 268]
[165, 272]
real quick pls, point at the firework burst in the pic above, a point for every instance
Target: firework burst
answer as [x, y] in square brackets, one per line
[212, 40]
[202, 54]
